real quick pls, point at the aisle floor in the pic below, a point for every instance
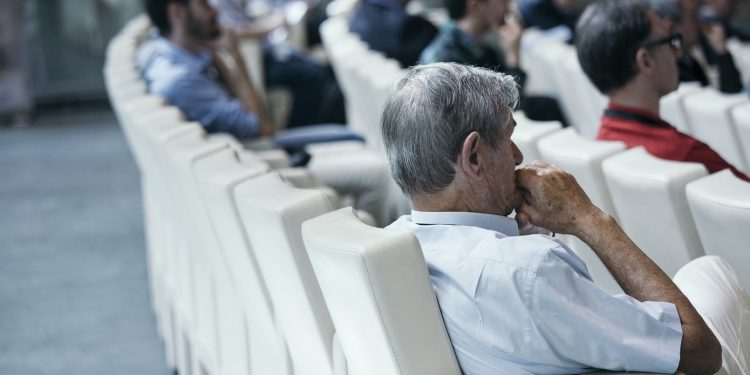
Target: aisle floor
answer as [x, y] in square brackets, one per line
[73, 277]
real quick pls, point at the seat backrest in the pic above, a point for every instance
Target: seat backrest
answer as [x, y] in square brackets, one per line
[217, 176]
[672, 107]
[712, 286]
[588, 102]
[649, 196]
[720, 204]
[583, 158]
[741, 120]
[376, 287]
[710, 121]
[527, 134]
[272, 212]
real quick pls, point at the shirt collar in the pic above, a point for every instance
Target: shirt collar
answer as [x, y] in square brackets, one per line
[648, 115]
[197, 61]
[497, 223]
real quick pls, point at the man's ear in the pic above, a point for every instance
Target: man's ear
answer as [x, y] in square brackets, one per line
[469, 159]
[643, 61]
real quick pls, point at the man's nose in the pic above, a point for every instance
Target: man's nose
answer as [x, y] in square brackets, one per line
[517, 154]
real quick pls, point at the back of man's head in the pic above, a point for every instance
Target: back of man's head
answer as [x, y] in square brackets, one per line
[608, 36]
[157, 12]
[667, 10]
[433, 109]
[456, 8]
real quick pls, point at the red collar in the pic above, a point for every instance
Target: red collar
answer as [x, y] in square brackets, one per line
[622, 112]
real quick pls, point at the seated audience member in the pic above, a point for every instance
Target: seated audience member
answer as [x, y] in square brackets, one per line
[462, 40]
[386, 27]
[630, 56]
[316, 97]
[547, 14]
[514, 303]
[705, 57]
[725, 12]
[182, 66]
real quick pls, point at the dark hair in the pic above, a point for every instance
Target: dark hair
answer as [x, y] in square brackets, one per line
[157, 12]
[608, 36]
[456, 8]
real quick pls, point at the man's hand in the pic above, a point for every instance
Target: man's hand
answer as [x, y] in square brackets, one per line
[510, 39]
[227, 42]
[716, 36]
[552, 199]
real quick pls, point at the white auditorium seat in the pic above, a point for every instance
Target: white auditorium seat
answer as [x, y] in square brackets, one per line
[710, 121]
[272, 212]
[588, 103]
[672, 107]
[527, 134]
[217, 176]
[583, 157]
[376, 286]
[649, 196]
[714, 290]
[720, 204]
[741, 119]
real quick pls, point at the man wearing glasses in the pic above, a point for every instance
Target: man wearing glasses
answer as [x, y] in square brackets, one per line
[629, 55]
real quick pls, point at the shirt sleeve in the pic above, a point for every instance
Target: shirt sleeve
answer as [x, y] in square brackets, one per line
[204, 101]
[701, 153]
[576, 321]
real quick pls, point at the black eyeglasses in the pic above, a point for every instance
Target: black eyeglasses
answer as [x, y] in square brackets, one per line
[674, 42]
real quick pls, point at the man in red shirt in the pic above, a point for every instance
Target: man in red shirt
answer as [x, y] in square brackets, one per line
[629, 55]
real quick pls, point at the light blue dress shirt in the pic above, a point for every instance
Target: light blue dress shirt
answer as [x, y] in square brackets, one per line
[189, 82]
[526, 304]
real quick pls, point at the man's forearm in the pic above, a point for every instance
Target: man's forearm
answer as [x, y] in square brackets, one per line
[245, 88]
[642, 279]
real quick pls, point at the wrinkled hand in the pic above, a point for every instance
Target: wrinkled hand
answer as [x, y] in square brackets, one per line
[716, 36]
[552, 199]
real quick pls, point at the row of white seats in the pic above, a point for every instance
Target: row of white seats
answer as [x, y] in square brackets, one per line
[672, 210]
[720, 120]
[234, 289]
[366, 78]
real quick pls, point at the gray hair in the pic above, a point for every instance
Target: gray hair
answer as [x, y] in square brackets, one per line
[432, 110]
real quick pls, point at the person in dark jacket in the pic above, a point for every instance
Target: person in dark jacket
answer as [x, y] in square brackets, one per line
[386, 27]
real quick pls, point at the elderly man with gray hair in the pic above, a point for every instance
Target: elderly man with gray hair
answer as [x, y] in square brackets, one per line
[515, 303]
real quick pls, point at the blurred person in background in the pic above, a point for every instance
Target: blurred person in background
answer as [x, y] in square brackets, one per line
[724, 12]
[629, 54]
[182, 66]
[386, 27]
[316, 97]
[548, 14]
[704, 56]
[485, 33]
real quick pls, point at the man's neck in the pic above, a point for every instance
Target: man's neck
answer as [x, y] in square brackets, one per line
[636, 96]
[181, 39]
[472, 27]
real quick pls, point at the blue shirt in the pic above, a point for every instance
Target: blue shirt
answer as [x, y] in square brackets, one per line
[526, 304]
[189, 81]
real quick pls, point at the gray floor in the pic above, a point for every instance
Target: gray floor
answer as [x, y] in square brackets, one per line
[73, 289]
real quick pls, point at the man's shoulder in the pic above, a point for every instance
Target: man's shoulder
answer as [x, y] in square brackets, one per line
[475, 244]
